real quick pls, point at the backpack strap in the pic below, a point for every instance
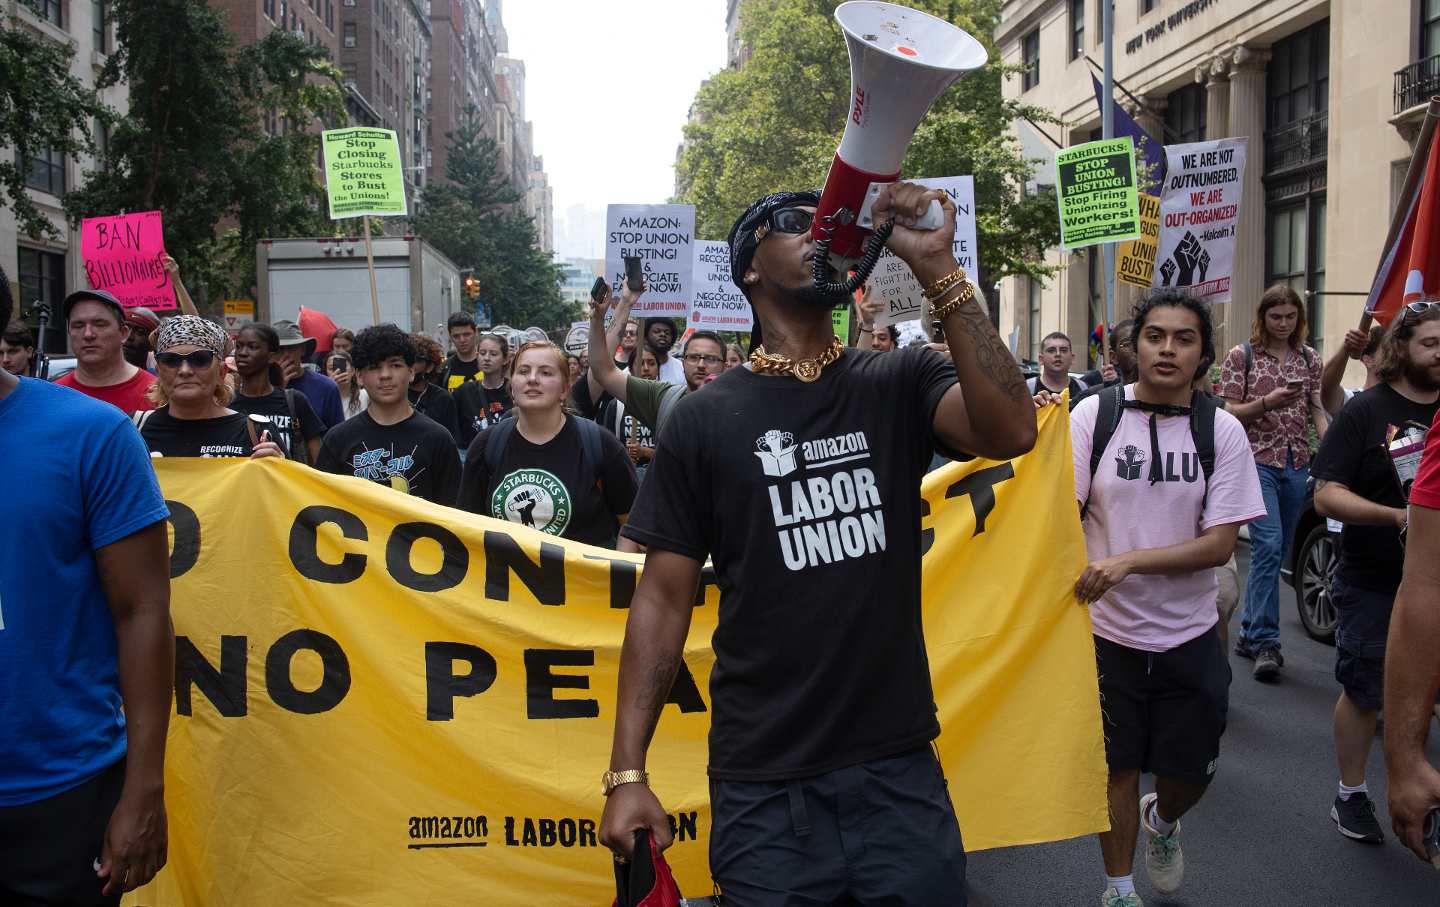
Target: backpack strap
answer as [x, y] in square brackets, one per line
[591, 453]
[1203, 407]
[1106, 421]
[497, 438]
[140, 417]
[298, 453]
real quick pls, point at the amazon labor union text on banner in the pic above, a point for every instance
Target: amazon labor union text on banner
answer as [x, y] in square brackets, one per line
[1095, 188]
[718, 304]
[380, 701]
[1199, 217]
[363, 172]
[663, 238]
[1135, 258]
[892, 282]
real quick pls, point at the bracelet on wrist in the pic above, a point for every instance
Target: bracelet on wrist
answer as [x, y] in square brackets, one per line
[943, 310]
[867, 329]
[940, 287]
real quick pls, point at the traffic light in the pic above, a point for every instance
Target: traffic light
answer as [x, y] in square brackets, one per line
[472, 288]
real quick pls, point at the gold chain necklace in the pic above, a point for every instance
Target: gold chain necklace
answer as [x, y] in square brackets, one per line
[806, 370]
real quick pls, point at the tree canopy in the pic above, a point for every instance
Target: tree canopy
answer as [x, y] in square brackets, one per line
[219, 138]
[475, 218]
[775, 123]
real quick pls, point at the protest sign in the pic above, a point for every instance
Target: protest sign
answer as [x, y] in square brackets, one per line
[410, 701]
[123, 256]
[577, 339]
[840, 322]
[1095, 187]
[662, 237]
[363, 172]
[719, 305]
[1199, 217]
[1135, 258]
[892, 282]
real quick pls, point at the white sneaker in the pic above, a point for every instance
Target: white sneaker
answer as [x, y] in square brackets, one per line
[1164, 861]
[1112, 898]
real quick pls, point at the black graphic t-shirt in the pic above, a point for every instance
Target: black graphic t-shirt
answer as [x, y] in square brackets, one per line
[438, 405]
[275, 408]
[457, 372]
[478, 406]
[546, 486]
[807, 498]
[225, 436]
[617, 418]
[1353, 453]
[415, 455]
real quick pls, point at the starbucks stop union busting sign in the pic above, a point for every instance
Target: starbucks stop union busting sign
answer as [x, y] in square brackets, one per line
[363, 173]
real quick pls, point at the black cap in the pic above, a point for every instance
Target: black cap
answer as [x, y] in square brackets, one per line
[99, 296]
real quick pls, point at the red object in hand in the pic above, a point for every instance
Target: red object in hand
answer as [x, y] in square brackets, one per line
[645, 881]
[317, 325]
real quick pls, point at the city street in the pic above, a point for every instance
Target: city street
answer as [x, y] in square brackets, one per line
[1263, 834]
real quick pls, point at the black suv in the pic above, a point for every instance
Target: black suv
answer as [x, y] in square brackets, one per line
[1309, 566]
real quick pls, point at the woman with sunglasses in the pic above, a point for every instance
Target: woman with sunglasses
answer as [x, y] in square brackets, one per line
[546, 468]
[341, 369]
[256, 345]
[193, 418]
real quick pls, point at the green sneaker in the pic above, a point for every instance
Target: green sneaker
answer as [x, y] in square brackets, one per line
[1112, 898]
[1164, 861]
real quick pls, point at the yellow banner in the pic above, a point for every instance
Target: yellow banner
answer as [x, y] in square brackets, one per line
[384, 702]
[1135, 258]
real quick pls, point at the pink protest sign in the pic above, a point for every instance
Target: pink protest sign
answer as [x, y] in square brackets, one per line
[123, 255]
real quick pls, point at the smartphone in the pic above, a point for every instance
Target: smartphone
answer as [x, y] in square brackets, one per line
[634, 274]
[1432, 837]
[1295, 384]
[597, 292]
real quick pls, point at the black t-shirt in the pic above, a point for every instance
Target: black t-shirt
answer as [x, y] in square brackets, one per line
[438, 405]
[546, 486]
[275, 407]
[457, 372]
[807, 498]
[619, 421]
[478, 406]
[415, 455]
[225, 436]
[1353, 453]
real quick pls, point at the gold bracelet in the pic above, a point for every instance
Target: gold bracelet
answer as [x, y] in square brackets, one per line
[939, 287]
[946, 309]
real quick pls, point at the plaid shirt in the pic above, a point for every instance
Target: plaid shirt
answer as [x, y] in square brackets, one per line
[1284, 430]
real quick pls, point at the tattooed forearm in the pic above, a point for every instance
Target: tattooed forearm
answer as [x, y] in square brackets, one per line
[655, 685]
[991, 354]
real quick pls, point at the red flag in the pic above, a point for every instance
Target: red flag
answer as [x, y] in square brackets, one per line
[318, 326]
[1410, 265]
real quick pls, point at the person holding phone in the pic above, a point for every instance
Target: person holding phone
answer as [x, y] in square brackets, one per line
[341, 369]
[1271, 383]
[192, 417]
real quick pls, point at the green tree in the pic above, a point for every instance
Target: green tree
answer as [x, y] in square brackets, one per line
[195, 144]
[775, 124]
[474, 218]
[42, 108]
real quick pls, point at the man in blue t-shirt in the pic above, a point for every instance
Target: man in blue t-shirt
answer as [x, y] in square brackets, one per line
[87, 652]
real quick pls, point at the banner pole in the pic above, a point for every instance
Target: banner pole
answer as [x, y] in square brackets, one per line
[370, 266]
[1107, 115]
[1413, 175]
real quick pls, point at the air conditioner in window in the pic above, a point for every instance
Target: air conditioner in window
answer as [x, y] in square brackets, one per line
[349, 41]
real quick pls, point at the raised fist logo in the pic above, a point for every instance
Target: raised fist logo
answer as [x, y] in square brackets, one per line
[1167, 273]
[776, 450]
[1129, 460]
[1187, 256]
[523, 504]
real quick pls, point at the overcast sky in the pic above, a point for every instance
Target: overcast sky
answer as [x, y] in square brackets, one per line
[608, 86]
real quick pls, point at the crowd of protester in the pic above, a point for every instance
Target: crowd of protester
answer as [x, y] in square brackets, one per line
[1168, 467]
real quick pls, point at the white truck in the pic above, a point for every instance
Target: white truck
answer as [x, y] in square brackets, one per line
[418, 287]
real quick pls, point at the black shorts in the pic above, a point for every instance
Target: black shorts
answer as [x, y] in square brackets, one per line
[882, 832]
[1164, 712]
[1362, 621]
[48, 849]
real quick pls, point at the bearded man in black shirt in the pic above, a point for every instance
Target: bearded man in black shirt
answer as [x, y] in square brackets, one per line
[799, 476]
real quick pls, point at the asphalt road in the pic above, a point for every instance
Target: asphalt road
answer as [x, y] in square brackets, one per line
[1262, 835]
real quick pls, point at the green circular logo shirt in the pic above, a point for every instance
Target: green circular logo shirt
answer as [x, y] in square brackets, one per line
[534, 498]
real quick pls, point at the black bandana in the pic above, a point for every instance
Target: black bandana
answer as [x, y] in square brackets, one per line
[743, 241]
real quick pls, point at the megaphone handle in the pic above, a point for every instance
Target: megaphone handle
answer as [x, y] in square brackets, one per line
[934, 217]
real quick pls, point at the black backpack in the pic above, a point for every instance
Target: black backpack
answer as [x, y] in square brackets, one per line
[1202, 428]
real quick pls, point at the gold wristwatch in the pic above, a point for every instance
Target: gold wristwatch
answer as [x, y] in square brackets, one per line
[611, 780]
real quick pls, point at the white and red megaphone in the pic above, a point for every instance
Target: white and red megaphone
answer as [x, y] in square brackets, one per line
[901, 61]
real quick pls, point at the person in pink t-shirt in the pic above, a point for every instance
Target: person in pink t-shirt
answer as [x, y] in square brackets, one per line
[96, 323]
[1156, 527]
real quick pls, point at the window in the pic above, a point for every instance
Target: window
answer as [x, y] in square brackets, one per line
[269, 7]
[1297, 80]
[42, 278]
[1032, 321]
[45, 171]
[1148, 5]
[1030, 57]
[1295, 256]
[330, 15]
[1185, 115]
[1077, 29]
[349, 34]
[1429, 28]
[102, 145]
[101, 26]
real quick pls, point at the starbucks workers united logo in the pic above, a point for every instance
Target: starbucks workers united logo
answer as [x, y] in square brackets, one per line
[534, 498]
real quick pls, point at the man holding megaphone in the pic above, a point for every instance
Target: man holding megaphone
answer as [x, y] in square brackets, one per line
[799, 476]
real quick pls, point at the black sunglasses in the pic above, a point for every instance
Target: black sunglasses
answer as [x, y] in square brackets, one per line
[198, 359]
[790, 220]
